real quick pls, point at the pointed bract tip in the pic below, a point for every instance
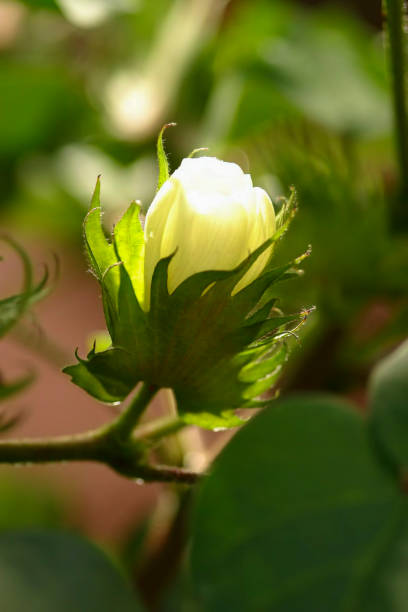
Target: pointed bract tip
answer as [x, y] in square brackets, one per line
[95, 200]
[194, 151]
[161, 157]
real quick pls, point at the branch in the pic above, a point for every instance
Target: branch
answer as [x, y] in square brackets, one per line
[166, 473]
[153, 431]
[112, 445]
[128, 419]
[81, 447]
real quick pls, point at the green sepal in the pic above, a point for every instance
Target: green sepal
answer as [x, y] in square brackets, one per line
[118, 266]
[101, 253]
[102, 258]
[108, 376]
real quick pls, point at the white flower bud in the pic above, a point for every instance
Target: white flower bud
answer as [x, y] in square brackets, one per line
[210, 212]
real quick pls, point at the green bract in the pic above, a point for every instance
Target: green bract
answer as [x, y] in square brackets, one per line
[217, 351]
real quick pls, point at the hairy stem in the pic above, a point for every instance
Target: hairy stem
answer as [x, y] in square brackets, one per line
[80, 447]
[111, 444]
[155, 430]
[130, 417]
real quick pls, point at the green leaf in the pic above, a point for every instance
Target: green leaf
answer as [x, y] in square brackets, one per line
[297, 513]
[45, 571]
[388, 390]
[162, 158]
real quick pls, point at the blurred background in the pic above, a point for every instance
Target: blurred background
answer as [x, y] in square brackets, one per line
[297, 93]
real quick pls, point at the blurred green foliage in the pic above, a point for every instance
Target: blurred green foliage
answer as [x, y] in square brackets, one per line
[300, 97]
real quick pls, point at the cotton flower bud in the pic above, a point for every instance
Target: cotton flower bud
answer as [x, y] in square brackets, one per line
[212, 217]
[217, 347]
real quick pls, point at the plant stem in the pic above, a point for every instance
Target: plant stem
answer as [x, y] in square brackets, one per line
[128, 419]
[92, 446]
[111, 444]
[155, 430]
[158, 566]
[167, 473]
[395, 13]
[80, 447]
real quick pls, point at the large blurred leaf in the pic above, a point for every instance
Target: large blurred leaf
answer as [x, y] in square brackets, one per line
[50, 571]
[389, 404]
[320, 69]
[296, 515]
[387, 588]
[319, 64]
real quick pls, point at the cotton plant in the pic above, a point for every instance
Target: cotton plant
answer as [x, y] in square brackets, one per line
[189, 306]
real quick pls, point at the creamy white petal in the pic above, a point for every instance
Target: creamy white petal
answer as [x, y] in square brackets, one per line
[205, 240]
[263, 226]
[156, 221]
[210, 212]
